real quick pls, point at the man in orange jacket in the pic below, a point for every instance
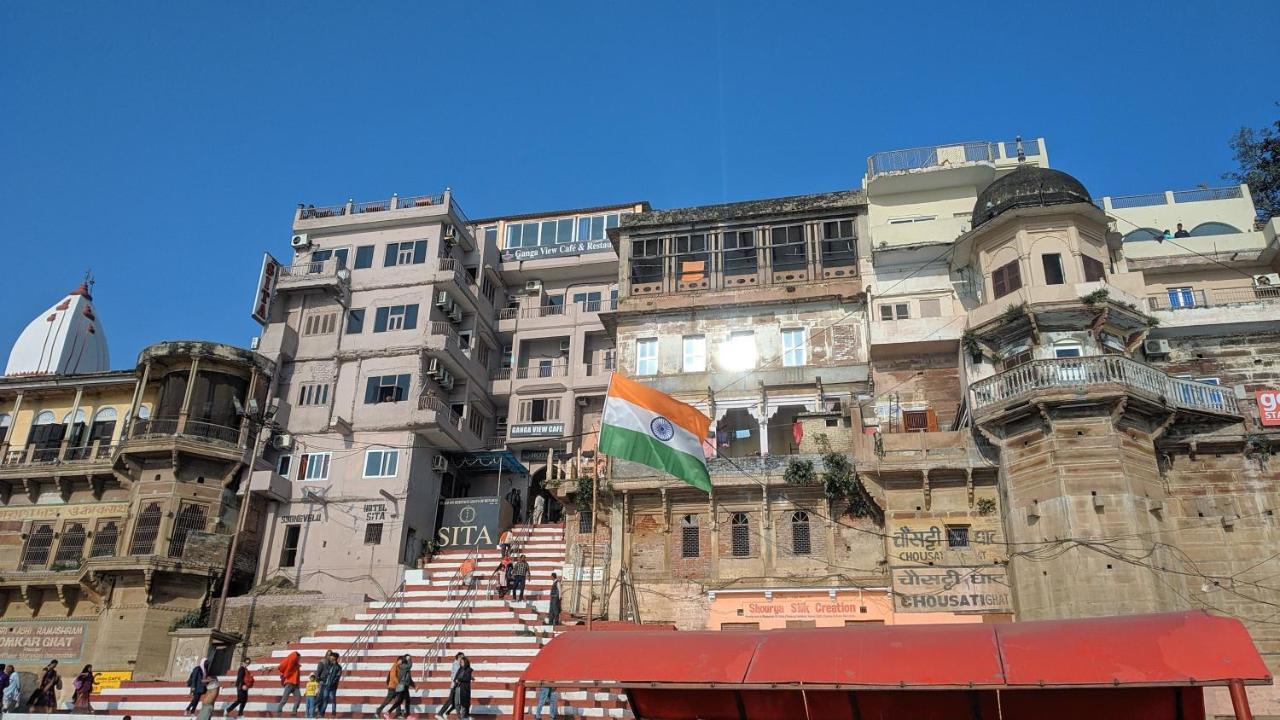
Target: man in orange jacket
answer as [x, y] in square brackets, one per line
[289, 670]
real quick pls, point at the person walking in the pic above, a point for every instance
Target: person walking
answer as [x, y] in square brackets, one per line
[244, 681]
[505, 541]
[330, 675]
[12, 690]
[451, 702]
[209, 698]
[504, 576]
[553, 609]
[290, 670]
[404, 688]
[393, 679]
[547, 695]
[195, 684]
[83, 686]
[539, 509]
[519, 573]
[463, 692]
[309, 693]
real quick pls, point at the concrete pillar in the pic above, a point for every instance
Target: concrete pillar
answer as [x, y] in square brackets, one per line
[617, 561]
[762, 417]
[71, 424]
[13, 425]
[186, 399]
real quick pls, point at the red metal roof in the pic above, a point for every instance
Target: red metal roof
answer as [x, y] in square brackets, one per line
[1146, 650]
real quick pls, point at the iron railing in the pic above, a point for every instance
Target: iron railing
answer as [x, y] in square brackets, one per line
[1131, 201]
[359, 647]
[1084, 372]
[542, 371]
[211, 431]
[1213, 297]
[324, 211]
[431, 402]
[1231, 192]
[311, 270]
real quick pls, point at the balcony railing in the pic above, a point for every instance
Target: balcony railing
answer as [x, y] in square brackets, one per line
[324, 211]
[1120, 202]
[543, 371]
[540, 311]
[152, 427]
[1213, 297]
[895, 161]
[433, 403]
[1081, 373]
[310, 212]
[502, 374]
[598, 369]
[315, 270]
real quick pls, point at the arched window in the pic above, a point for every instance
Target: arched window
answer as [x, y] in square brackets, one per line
[104, 427]
[740, 535]
[1140, 234]
[35, 554]
[71, 547]
[1213, 228]
[105, 539]
[45, 438]
[800, 539]
[146, 530]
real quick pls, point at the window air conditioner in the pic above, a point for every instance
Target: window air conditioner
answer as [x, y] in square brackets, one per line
[442, 299]
[455, 315]
[450, 232]
[433, 368]
[440, 463]
[445, 380]
[1270, 280]
[533, 286]
[1155, 347]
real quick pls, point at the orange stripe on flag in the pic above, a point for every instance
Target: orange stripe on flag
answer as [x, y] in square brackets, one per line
[686, 416]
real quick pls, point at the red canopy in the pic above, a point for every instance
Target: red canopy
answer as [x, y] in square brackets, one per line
[1189, 648]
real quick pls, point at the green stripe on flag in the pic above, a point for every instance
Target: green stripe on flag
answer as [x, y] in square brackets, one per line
[645, 449]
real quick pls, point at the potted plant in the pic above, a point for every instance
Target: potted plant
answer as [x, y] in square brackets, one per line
[971, 345]
[429, 550]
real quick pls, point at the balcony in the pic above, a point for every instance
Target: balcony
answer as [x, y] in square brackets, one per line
[326, 275]
[444, 342]
[1189, 309]
[451, 275]
[441, 426]
[738, 381]
[924, 334]
[165, 435]
[1072, 378]
[587, 376]
[912, 169]
[31, 460]
[409, 209]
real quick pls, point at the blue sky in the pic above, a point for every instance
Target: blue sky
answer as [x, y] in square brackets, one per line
[165, 145]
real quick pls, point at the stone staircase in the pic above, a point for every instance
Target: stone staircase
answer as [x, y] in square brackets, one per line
[500, 637]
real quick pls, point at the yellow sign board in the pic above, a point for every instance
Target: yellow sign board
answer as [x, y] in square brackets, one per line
[110, 679]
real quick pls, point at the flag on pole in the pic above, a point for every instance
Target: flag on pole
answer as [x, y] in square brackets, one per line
[645, 426]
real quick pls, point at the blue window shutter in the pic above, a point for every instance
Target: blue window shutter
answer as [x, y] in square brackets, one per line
[364, 257]
[380, 320]
[371, 390]
[410, 316]
[419, 252]
[390, 259]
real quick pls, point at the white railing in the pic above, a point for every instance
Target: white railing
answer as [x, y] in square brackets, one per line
[312, 270]
[894, 161]
[1213, 297]
[1120, 202]
[1081, 373]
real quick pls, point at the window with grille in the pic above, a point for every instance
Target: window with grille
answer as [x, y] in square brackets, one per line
[646, 260]
[320, 324]
[71, 546]
[801, 541]
[839, 244]
[740, 535]
[958, 536]
[584, 521]
[35, 552]
[105, 538]
[313, 394]
[289, 550]
[787, 246]
[689, 538]
[739, 252]
[190, 519]
[373, 534]
[1006, 279]
[146, 530]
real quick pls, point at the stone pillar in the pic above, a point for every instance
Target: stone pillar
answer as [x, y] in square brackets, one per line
[71, 424]
[761, 414]
[186, 399]
[13, 423]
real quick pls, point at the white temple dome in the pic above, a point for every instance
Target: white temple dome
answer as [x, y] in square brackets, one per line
[66, 339]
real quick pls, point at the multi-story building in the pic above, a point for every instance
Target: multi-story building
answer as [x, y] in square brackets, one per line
[120, 489]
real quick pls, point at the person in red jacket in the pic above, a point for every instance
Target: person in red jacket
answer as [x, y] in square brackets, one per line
[289, 670]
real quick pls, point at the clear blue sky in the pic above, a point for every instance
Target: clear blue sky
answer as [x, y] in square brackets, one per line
[165, 145]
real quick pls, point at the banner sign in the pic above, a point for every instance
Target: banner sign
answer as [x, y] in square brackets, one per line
[1269, 408]
[951, 589]
[41, 641]
[53, 512]
[110, 679]
[267, 280]
[968, 540]
[468, 522]
[561, 250]
[532, 430]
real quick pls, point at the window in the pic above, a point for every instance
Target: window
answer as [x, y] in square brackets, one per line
[544, 368]
[313, 394]
[1182, 297]
[321, 323]
[190, 519]
[386, 388]
[314, 466]
[289, 551]
[739, 250]
[909, 219]
[380, 463]
[395, 317]
[475, 423]
[539, 410]
[521, 235]
[787, 247]
[739, 351]
[491, 235]
[5, 423]
[919, 420]
[695, 353]
[793, 348]
[839, 244]
[895, 311]
[692, 258]
[1066, 350]
[801, 542]
[355, 321]
[556, 232]
[647, 356]
[646, 260]
[740, 535]
[957, 536]
[930, 308]
[1093, 269]
[320, 256]
[35, 553]
[411, 252]
[373, 534]
[283, 463]
[593, 227]
[146, 530]
[1006, 279]
[1015, 359]
[1052, 269]
[364, 257]
[588, 301]
[105, 537]
[689, 538]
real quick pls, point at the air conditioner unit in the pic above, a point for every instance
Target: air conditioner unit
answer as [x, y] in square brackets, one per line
[1270, 280]
[450, 232]
[440, 463]
[283, 441]
[1157, 346]
[442, 299]
[455, 315]
[450, 306]
[434, 368]
[300, 241]
[445, 380]
[533, 286]
[564, 346]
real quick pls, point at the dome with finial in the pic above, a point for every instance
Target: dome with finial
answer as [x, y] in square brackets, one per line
[66, 339]
[1028, 186]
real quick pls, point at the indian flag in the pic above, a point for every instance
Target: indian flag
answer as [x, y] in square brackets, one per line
[642, 425]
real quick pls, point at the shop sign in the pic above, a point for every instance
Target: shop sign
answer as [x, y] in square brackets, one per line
[803, 609]
[110, 679]
[53, 512]
[375, 511]
[267, 280]
[41, 641]
[560, 250]
[532, 430]
[922, 541]
[1269, 408]
[468, 522]
[299, 519]
[951, 589]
